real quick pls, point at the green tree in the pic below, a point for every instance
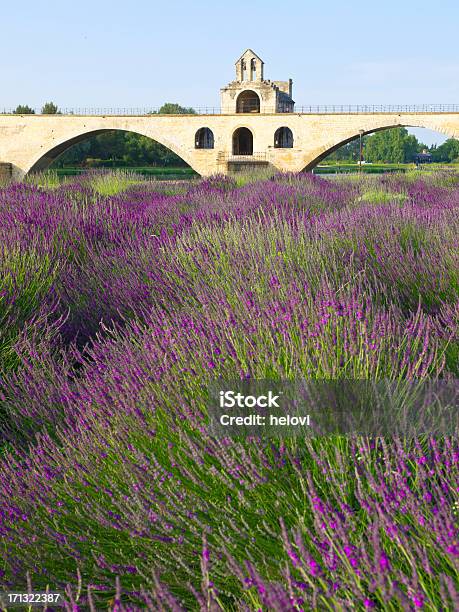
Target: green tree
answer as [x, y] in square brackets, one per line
[24, 109]
[49, 108]
[74, 155]
[172, 108]
[349, 152]
[446, 152]
[140, 150]
[392, 146]
[411, 146]
[108, 146]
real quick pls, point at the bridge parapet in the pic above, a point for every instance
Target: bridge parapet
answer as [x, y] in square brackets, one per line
[318, 109]
[33, 142]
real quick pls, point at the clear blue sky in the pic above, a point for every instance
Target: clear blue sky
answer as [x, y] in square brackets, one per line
[143, 53]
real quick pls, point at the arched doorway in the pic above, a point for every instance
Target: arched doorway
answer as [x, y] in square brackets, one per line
[243, 142]
[204, 139]
[248, 102]
[283, 138]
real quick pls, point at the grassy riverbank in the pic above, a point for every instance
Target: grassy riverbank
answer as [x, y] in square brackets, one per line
[353, 168]
[153, 171]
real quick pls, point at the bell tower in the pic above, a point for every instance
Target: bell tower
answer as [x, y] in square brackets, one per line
[250, 92]
[249, 67]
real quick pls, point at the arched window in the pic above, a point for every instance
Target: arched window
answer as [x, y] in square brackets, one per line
[243, 70]
[248, 102]
[283, 138]
[242, 142]
[253, 69]
[204, 139]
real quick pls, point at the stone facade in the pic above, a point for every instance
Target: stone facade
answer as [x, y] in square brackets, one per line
[32, 142]
[273, 96]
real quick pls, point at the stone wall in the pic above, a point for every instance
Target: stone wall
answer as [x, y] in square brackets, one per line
[265, 91]
[32, 142]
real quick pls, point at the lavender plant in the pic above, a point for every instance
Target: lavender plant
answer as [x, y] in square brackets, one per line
[111, 485]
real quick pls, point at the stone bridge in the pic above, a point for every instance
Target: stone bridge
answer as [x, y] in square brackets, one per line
[209, 143]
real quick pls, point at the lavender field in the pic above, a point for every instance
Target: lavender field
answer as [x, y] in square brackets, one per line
[121, 299]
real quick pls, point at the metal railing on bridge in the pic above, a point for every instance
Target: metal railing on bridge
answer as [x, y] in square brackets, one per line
[212, 110]
[377, 108]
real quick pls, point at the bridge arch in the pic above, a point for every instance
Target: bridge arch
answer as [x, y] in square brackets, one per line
[44, 159]
[340, 139]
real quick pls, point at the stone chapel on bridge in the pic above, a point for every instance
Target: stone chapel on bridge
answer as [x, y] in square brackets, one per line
[251, 93]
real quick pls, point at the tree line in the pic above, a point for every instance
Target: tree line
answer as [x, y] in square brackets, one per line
[395, 146]
[48, 108]
[114, 148]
